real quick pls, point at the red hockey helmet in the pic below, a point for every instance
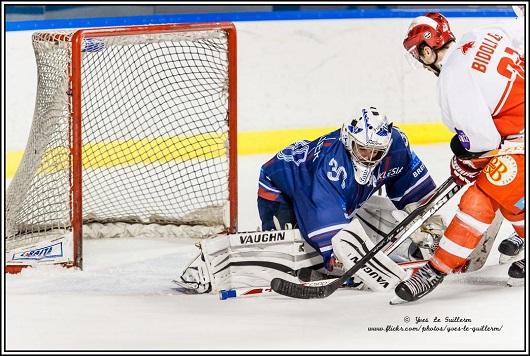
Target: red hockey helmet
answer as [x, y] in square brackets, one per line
[431, 29]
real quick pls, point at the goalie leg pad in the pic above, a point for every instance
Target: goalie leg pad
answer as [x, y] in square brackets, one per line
[249, 259]
[351, 244]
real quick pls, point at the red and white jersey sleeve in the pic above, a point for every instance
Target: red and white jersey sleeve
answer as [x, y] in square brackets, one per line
[481, 88]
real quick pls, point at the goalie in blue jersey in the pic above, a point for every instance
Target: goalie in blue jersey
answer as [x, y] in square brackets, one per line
[319, 198]
[318, 186]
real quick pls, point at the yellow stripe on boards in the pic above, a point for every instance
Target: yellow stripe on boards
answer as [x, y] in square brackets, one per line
[426, 133]
[13, 159]
[148, 151]
[205, 146]
[129, 152]
[261, 142]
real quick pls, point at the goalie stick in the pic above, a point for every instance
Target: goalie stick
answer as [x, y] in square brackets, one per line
[410, 224]
[310, 277]
[257, 291]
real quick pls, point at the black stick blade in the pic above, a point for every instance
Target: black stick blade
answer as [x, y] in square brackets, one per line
[295, 290]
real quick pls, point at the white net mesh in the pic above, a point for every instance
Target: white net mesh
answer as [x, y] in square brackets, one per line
[154, 134]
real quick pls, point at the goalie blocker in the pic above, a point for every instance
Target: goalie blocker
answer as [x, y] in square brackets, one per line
[253, 259]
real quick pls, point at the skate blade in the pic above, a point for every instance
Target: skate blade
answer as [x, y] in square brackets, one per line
[397, 300]
[504, 259]
[515, 282]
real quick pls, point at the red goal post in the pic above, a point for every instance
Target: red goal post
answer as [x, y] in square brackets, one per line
[154, 109]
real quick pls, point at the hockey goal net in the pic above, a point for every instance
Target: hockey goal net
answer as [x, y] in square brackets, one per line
[133, 127]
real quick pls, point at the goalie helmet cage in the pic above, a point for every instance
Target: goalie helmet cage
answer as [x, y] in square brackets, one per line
[132, 125]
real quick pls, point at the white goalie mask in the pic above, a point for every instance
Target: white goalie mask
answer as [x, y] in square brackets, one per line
[367, 140]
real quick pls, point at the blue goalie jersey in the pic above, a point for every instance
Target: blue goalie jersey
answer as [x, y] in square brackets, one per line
[317, 180]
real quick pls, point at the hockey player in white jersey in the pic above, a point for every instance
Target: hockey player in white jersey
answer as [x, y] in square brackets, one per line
[481, 94]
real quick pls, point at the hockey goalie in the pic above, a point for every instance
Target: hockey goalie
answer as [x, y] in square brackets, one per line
[320, 213]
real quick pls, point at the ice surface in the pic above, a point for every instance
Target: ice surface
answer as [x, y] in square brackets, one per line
[124, 300]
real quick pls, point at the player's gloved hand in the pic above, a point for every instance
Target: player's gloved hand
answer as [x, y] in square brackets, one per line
[278, 226]
[463, 171]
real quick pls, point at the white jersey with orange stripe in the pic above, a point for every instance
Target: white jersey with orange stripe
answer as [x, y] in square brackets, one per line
[481, 87]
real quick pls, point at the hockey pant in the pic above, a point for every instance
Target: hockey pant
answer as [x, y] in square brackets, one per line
[499, 186]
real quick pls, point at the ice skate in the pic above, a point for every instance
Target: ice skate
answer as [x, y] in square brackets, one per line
[510, 248]
[421, 283]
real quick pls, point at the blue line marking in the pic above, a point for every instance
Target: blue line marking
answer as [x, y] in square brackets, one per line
[250, 16]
